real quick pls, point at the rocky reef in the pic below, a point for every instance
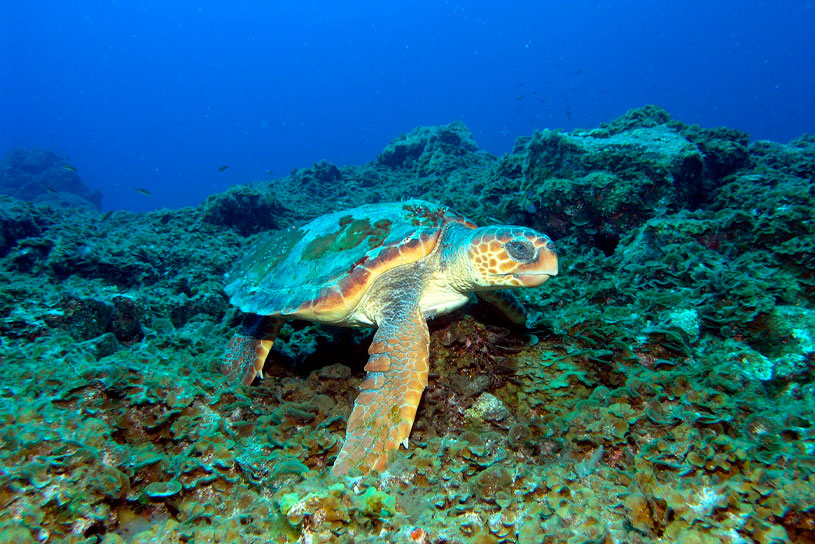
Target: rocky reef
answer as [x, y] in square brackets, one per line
[664, 393]
[45, 177]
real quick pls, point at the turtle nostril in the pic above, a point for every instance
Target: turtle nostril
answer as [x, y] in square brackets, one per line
[520, 250]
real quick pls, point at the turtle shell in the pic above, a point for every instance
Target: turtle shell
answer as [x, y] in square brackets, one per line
[321, 270]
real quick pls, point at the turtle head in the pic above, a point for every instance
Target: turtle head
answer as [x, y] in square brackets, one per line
[503, 256]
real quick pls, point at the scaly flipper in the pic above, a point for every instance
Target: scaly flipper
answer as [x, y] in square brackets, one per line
[507, 303]
[247, 349]
[386, 406]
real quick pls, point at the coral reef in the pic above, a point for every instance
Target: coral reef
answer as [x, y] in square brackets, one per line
[664, 393]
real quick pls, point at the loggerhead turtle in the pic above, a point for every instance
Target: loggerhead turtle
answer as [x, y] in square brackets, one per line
[392, 266]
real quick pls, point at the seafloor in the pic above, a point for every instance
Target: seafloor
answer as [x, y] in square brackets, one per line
[663, 394]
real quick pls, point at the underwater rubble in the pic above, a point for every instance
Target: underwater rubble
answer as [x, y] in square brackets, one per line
[665, 391]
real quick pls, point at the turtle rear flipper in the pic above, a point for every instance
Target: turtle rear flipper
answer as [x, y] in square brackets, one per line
[248, 348]
[386, 406]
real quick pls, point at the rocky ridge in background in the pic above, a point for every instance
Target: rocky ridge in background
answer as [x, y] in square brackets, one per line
[45, 177]
[594, 185]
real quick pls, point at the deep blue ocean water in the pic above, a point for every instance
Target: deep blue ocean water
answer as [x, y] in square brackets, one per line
[160, 95]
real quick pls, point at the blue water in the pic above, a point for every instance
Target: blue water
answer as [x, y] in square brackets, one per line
[160, 94]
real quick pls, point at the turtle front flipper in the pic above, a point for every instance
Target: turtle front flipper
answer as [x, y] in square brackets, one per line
[506, 303]
[247, 349]
[386, 406]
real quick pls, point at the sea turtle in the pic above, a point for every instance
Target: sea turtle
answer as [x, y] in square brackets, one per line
[389, 265]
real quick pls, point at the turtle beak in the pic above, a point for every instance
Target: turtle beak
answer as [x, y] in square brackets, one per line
[533, 280]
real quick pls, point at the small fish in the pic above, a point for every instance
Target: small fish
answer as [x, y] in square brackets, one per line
[520, 97]
[143, 191]
[50, 189]
[105, 216]
[69, 167]
[269, 172]
[222, 168]
[578, 72]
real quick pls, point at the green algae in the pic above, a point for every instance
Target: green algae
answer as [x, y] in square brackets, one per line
[350, 235]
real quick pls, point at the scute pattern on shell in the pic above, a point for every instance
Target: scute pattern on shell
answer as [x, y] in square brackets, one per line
[322, 269]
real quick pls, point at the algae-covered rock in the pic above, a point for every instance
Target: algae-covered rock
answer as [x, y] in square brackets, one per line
[493, 480]
[83, 318]
[788, 348]
[725, 150]
[598, 185]
[43, 176]
[489, 408]
[796, 158]
[647, 116]
[18, 221]
[795, 328]
[687, 320]
[430, 150]
[104, 345]
[126, 319]
[248, 209]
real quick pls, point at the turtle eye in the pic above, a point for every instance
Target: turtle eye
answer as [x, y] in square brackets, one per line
[520, 250]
